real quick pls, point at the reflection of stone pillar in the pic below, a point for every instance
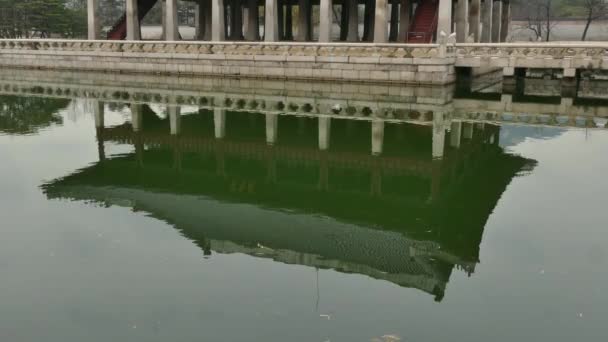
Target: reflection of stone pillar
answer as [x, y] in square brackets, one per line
[325, 21]
[444, 21]
[496, 21]
[438, 136]
[136, 117]
[271, 128]
[133, 28]
[462, 20]
[474, 19]
[172, 21]
[376, 181]
[486, 28]
[271, 24]
[93, 19]
[380, 22]
[404, 20]
[175, 120]
[303, 20]
[253, 24]
[324, 133]
[353, 21]
[98, 112]
[219, 121]
[467, 130]
[218, 29]
[455, 134]
[323, 173]
[505, 21]
[377, 137]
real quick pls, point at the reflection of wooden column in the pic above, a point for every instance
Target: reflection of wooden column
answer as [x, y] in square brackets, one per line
[455, 134]
[377, 137]
[324, 173]
[98, 112]
[220, 161]
[271, 168]
[467, 130]
[435, 180]
[376, 180]
[177, 157]
[139, 149]
[438, 135]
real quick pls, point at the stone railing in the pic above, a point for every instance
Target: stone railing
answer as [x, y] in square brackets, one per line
[533, 55]
[394, 63]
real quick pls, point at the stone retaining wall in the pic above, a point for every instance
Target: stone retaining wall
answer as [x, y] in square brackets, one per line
[379, 63]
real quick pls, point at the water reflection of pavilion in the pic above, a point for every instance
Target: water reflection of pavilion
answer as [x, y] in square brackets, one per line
[399, 202]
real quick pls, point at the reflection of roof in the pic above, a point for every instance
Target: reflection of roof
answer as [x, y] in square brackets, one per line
[226, 200]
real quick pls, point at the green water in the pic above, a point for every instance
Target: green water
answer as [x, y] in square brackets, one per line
[116, 234]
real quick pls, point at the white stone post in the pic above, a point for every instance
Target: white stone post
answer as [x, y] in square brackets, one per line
[324, 133]
[462, 20]
[506, 22]
[252, 21]
[133, 27]
[377, 137]
[272, 125]
[496, 21]
[218, 32]
[175, 119]
[353, 21]
[93, 19]
[380, 22]
[172, 33]
[219, 122]
[303, 20]
[325, 21]
[444, 18]
[271, 23]
[474, 19]
[455, 134]
[486, 28]
[404, 20]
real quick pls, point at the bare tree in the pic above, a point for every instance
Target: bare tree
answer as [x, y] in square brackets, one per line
[540, 18]
[594, 9]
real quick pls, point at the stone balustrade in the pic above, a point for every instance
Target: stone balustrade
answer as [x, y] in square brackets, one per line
[383, 63]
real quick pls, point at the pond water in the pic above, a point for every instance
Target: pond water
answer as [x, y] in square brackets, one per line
[134, 220]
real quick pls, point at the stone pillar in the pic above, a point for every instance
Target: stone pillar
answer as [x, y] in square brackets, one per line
[377, 137]
[486, 28]
[218, 31]
[175, 119]
[505, 22]
[462, 20]
[172, 33]
[303, 20]
[219, 122]
[444, 17]
[133, 27]
[438, 135]
[324, 133]
[271, 24]
[474, 19]
[380, 22]
[252, 21]
[404, 20]
[455, 134]
[136, 117]
[325, 21]
[271, 128]
[93, 19]
[496, 21]
[353, 21]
